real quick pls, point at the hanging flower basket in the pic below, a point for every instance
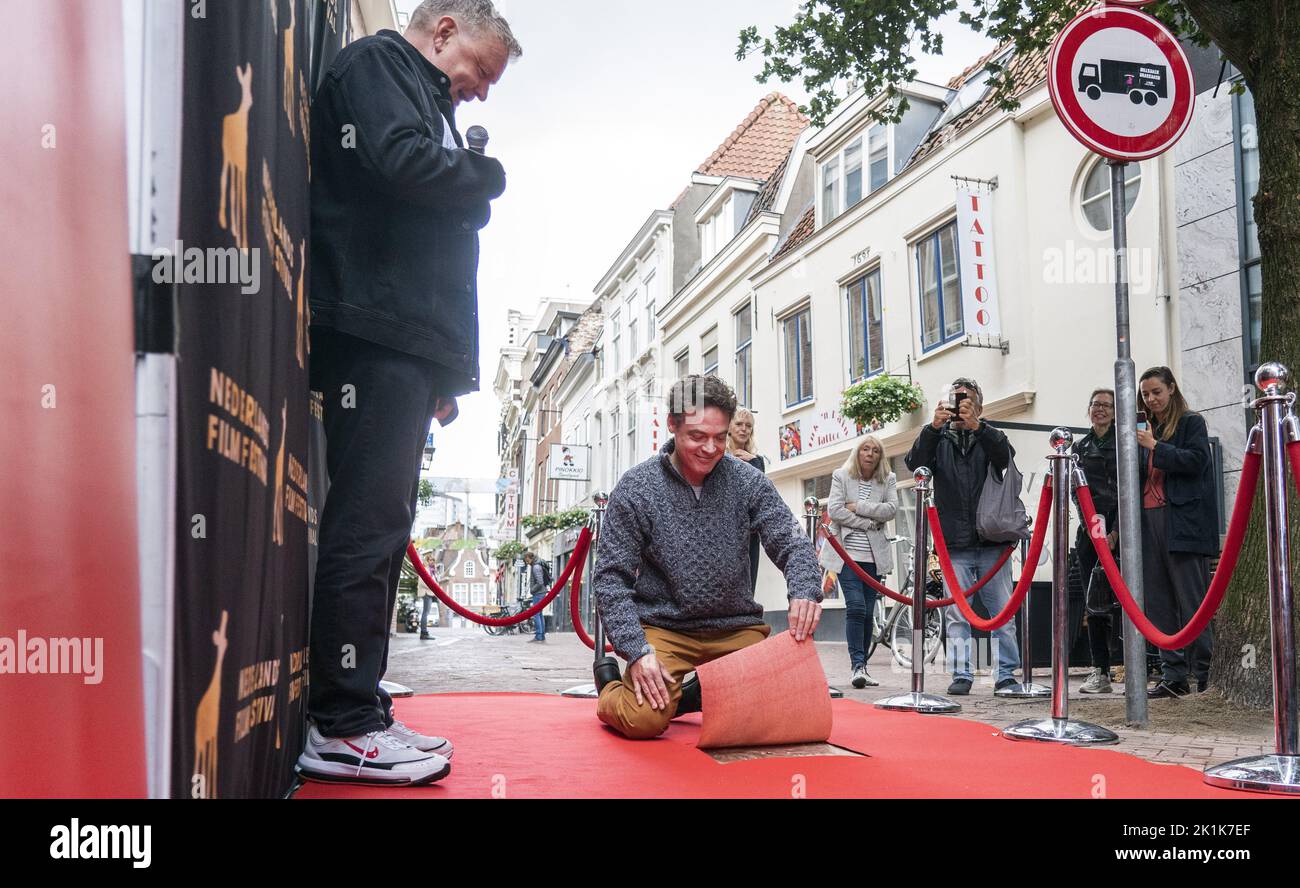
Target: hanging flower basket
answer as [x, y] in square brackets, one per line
[881, 400]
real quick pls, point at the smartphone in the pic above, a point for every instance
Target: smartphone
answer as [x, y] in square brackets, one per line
[957, 398]
[1141, 421]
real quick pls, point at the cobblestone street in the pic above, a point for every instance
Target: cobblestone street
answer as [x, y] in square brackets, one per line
[1191, 731]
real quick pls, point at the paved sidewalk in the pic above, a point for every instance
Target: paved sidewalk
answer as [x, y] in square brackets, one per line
[1194, 731]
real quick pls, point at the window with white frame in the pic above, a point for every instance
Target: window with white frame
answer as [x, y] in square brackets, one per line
[830, 189]
[852, 175]
[614, 337]
[940, 279]
[717, 230]
[682, 364]
[478, 594]
[596, 441]
[1094, 199]
[615, 468]
[709, 351]
[878, 157]
[744, 326]
[631, 427]
[847, 176]
[470, 568]
[796, 336]
[651, 297]
[460, 591]
[866, 338]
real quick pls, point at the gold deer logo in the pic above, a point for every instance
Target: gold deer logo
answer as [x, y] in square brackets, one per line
[234, 161]
[277, 518]
[303, 346]
[287, 91]
[207, 720]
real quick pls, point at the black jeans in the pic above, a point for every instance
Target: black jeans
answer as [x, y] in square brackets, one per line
[378, 406]
[1174, 585]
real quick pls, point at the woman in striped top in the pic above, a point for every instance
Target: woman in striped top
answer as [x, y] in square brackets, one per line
[863, 500]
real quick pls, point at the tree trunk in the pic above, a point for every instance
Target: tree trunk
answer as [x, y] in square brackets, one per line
[1242, 664]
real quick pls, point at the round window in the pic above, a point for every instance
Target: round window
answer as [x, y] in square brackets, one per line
[1095, 198]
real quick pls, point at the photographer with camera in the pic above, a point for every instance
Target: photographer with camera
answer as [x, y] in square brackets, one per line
[959, 448]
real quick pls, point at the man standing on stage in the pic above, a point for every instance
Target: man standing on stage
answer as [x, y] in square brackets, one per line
[397, 203]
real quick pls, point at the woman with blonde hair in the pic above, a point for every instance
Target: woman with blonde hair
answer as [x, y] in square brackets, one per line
[864, 497]
[740, 444]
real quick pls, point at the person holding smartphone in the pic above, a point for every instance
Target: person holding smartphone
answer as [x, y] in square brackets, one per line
[958, 447]
[1097, 457]
[1180, 525]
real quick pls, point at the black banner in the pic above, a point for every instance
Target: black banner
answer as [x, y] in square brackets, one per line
[244, 518]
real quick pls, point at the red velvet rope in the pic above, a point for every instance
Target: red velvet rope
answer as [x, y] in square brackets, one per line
[575, 613]
[574, 567]
[1026, 575]
[872, 581]
[1218, 586]
[1293, 451]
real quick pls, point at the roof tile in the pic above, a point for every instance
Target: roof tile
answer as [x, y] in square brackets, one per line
[761, 143]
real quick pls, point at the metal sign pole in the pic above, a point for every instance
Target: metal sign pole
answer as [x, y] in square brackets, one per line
[1059, 728]
[1130, 490]
[1027, 687]
[1279, 772]
[918, 700]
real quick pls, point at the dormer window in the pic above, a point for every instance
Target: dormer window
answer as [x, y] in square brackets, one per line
[723, 214]
[843, 184]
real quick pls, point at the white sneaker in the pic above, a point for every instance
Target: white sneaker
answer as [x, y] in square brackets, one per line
[374, 758]
[862, 679]
[871, 682]
[1098, 683]
[423, 742]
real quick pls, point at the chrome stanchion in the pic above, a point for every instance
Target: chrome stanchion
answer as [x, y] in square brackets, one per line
[812, 516]
[1059, 728]
[1026, 687]
[917, 700]
[600, 499]
[1278, 426]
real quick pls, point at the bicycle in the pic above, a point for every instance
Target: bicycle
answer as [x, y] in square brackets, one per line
[506, 611]
[892, 621]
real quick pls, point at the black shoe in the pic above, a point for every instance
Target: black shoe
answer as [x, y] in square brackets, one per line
[426, 638]
[692, 697]
[1005, 683]
[605, 671]
[1169, 689]
[960, 687]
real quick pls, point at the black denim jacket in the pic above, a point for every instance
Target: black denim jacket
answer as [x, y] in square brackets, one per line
[395, 214]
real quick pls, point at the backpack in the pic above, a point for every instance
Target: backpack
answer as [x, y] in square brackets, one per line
[546, 574]
[1001, 516]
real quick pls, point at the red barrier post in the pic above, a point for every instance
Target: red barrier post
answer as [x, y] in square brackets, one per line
[1059, 728]
[918, 700]
[1280, 772]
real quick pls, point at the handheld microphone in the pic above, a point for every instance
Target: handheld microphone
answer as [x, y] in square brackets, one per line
[477, 138]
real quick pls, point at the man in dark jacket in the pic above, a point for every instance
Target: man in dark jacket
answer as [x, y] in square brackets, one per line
[958, 447]
[397, 202]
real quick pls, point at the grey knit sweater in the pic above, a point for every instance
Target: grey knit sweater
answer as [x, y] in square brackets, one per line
[668, 560]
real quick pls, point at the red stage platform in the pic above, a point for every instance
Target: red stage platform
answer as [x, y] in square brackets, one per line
[542, 746]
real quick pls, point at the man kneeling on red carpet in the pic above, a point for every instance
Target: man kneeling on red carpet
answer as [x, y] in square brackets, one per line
[672, 565]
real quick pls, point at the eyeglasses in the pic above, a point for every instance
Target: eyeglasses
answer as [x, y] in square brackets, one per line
[1102, 404]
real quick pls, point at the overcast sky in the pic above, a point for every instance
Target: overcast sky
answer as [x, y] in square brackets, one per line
[612, 106]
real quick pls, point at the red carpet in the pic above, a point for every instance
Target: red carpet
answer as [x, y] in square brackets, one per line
[542, 746]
